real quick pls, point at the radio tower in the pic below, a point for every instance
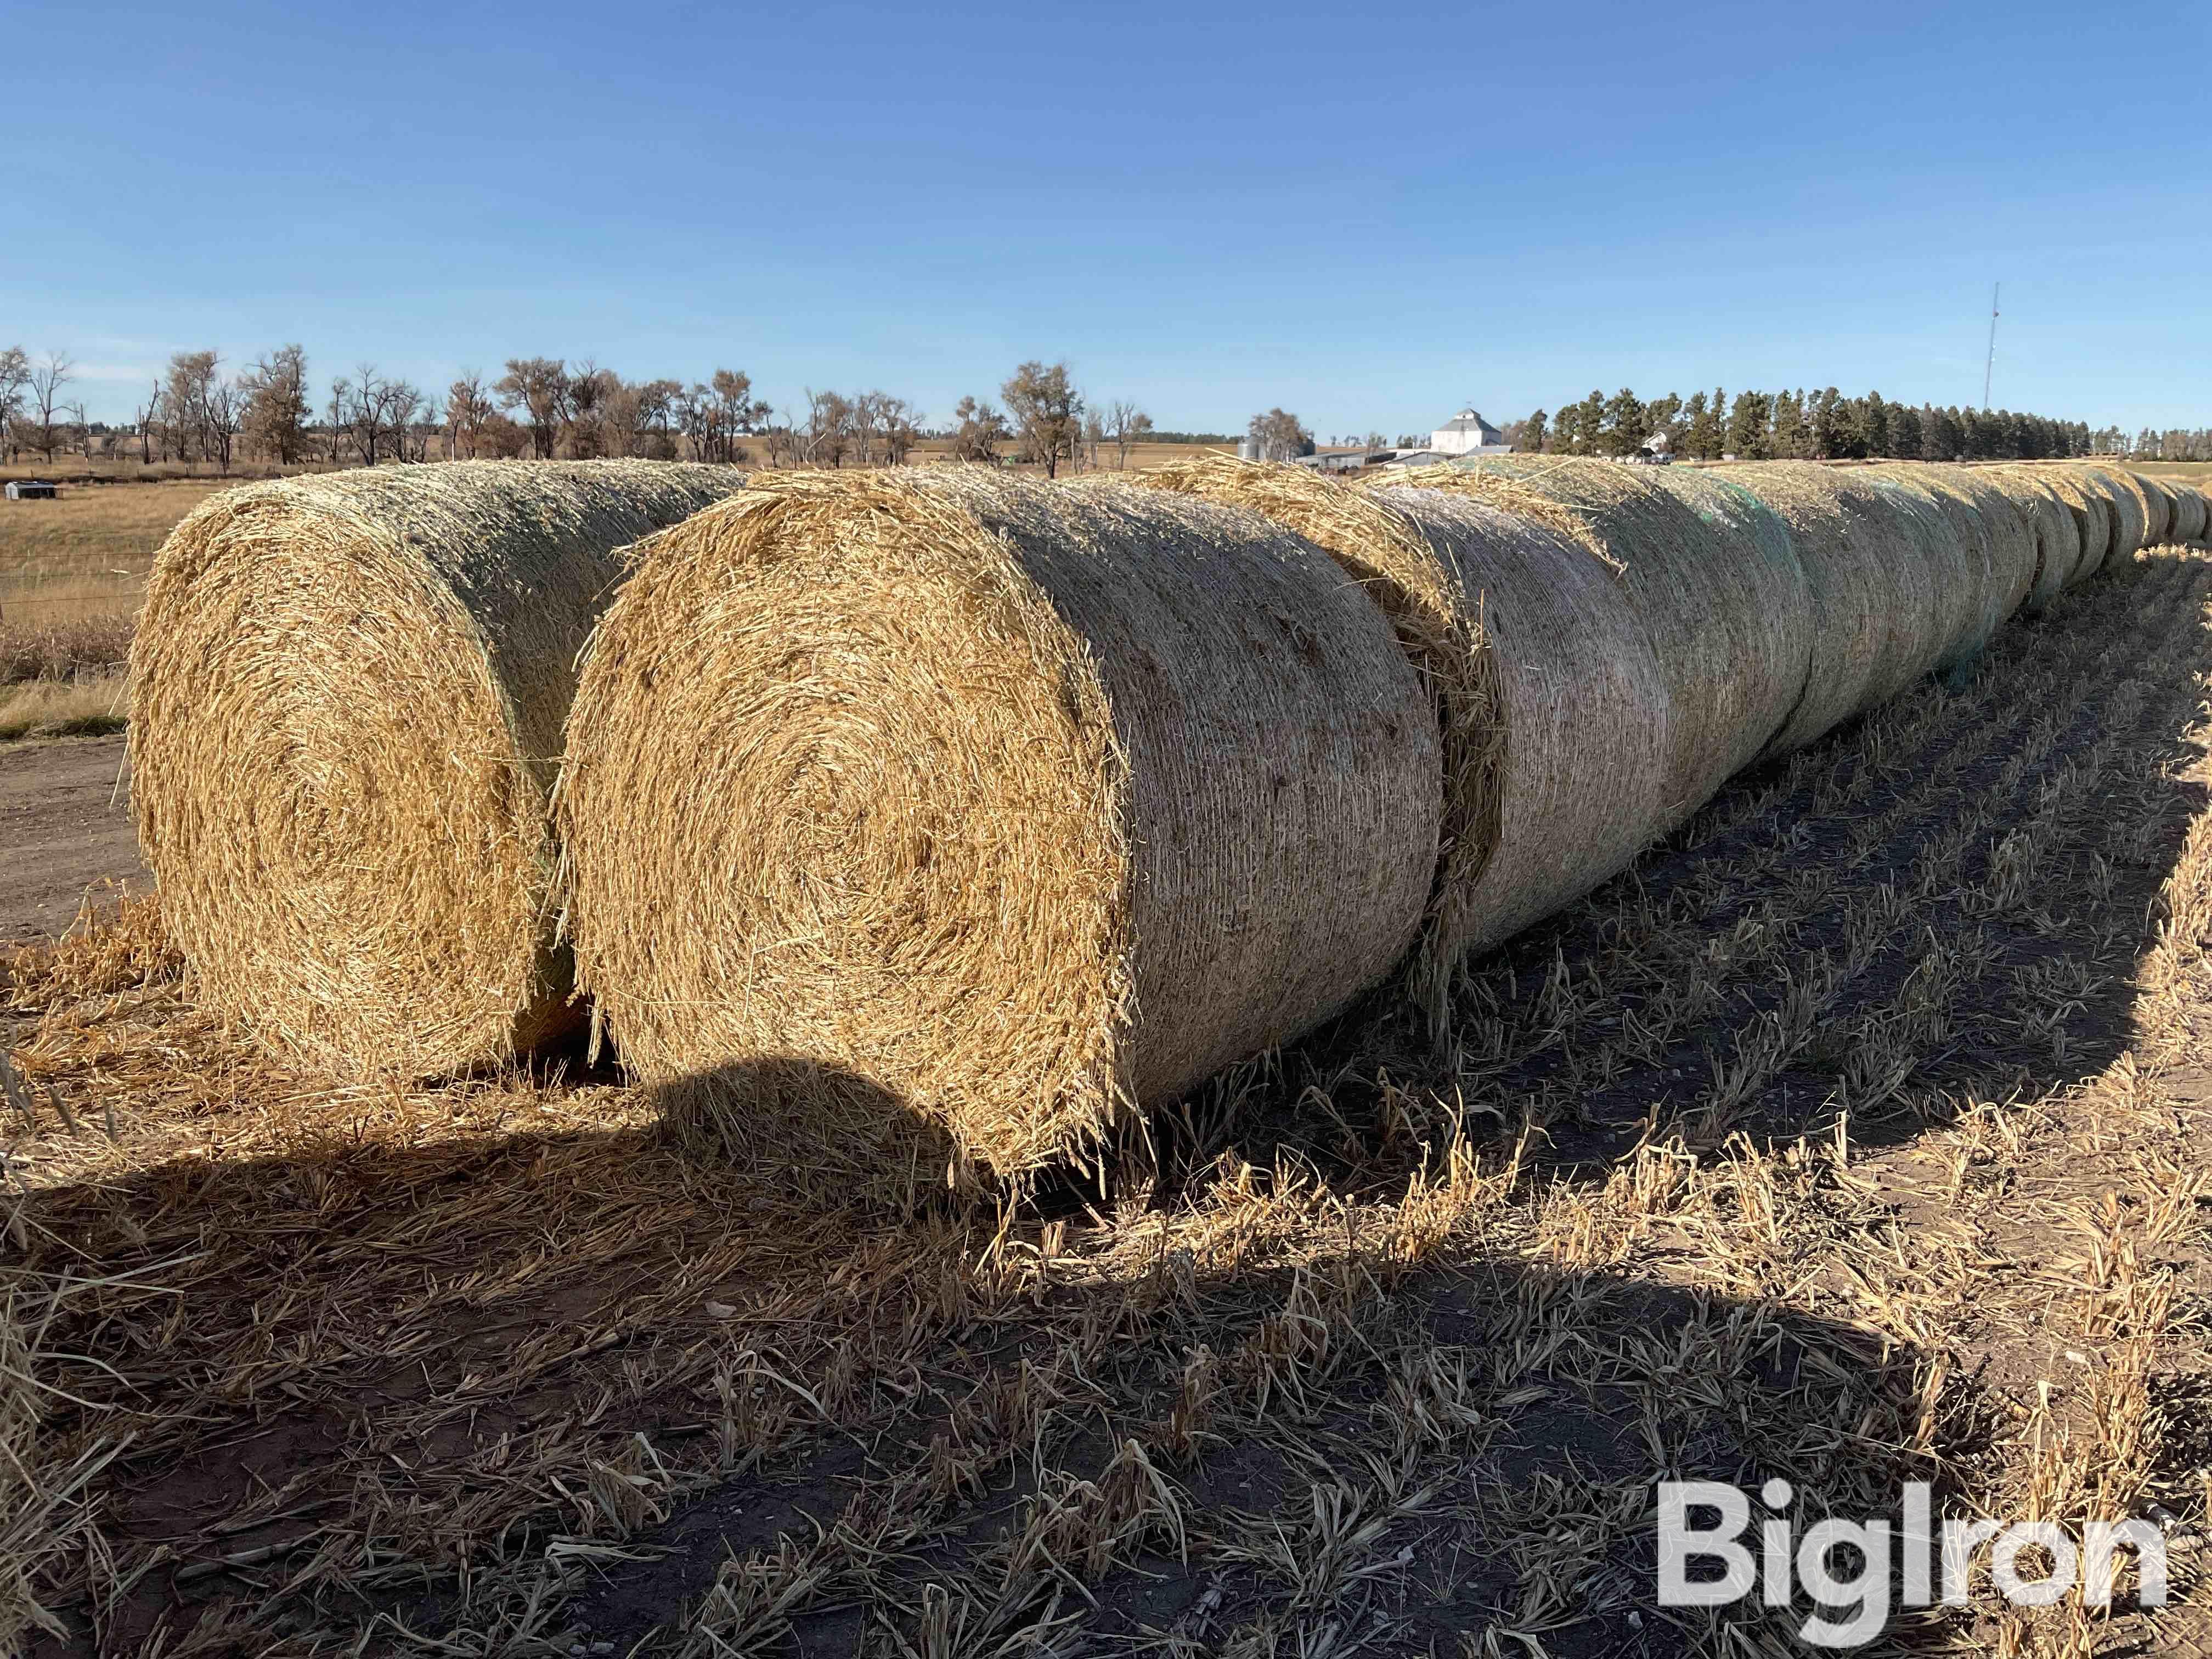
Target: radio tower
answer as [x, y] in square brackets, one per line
[1990, 367]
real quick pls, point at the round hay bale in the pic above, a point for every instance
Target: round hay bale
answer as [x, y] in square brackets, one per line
[347, 697]
[2130, 509]
[1866, 547]
[2057, 536]
[1986, 564]
[2091, 509]
[1549, 696]
[2190, 513]
[1582, 780]
[933, 818]
[1730, 622]
[2160, 495]
[2155, 505]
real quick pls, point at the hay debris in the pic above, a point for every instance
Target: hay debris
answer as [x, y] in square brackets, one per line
[938, 816]
[347, 700]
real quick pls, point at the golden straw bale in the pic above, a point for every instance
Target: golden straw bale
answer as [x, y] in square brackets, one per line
[936, 817]
[347, 696]
[1729, 623]
[1548, 698]
[2092, 511]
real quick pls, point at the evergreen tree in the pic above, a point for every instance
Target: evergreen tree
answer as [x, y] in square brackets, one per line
[1532, 433]
[1826, 425]
[1905, 432]
[1790, 439]
[1704, 437]
[1874, 425]
[1625, 427]
[1748, 439]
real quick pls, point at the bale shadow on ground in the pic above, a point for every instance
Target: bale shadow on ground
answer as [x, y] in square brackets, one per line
[352, 1367]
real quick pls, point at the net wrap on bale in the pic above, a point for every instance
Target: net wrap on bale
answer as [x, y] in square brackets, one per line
[346, 699]
[1552, 710]
[934, 819]
[1722, 601]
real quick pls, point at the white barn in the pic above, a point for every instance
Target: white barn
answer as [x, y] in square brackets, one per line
[1467, 433]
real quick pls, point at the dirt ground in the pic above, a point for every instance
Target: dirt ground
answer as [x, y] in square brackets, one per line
[65, 820]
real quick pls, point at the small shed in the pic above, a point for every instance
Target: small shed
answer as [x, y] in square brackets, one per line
[31, 489]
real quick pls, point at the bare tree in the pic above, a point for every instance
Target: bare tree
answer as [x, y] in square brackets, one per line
[827, 437]
[540, 387]
[1280, 435]
[1125, 425]
[982, 430]
[147, 418]
[46, 382]
[1046, 411]
[15, 381]
[404, 408]
[468, 407]
[275, 393]
[218, 414]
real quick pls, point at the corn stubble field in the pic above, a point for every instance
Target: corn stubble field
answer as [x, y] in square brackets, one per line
[1860, 1133]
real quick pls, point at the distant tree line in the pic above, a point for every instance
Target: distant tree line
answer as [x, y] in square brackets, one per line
[2176, 444]
[1823, 425]
[198, 414]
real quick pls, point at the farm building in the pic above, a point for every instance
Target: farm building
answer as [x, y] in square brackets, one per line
[1467, 433]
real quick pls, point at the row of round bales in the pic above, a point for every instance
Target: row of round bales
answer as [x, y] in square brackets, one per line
[936, 818]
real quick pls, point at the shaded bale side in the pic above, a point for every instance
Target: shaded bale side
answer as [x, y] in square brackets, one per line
[938, 817]
[2130, 522]
[1877, 624]
[2188, 512]
[346, 698]
[2091, 508]
[2057, 534]
[1549, 700]
[1730, 628]
[2158, 497]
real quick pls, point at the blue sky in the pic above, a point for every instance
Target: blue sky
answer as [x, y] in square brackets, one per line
[1365, 217]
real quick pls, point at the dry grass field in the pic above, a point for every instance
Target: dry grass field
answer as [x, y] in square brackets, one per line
[1862, 1133]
